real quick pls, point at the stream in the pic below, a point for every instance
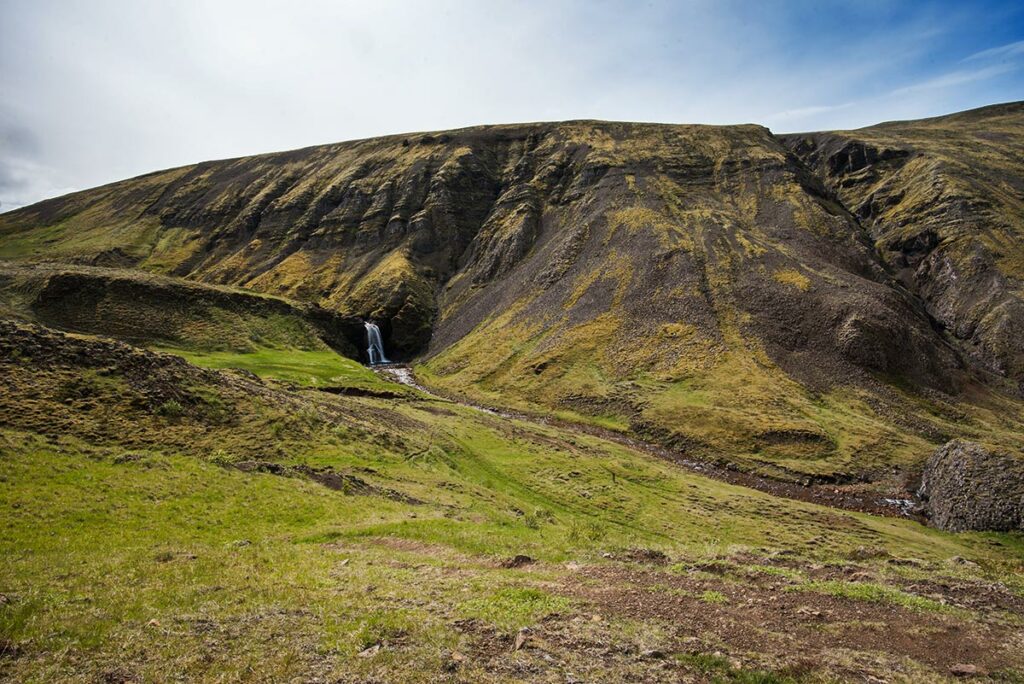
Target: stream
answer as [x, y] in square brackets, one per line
[824, 494]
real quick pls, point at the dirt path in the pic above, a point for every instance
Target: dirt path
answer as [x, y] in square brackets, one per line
[836, 496]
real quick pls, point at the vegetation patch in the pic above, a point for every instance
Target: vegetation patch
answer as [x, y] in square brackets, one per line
[307, 368]
[721, 670]
[870, 591]
[794, 278]
[514, 607]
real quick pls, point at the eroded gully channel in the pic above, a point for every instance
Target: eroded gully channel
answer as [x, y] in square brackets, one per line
[824, 494]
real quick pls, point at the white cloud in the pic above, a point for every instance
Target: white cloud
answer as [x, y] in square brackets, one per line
[955, 78]
[1001, 52]
[806, 112]
[114, 88]
[25, 181]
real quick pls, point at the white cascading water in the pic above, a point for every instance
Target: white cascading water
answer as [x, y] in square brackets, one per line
[376, 344]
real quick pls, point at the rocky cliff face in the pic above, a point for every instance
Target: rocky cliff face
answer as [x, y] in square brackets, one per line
[717, 288]
[943, 202]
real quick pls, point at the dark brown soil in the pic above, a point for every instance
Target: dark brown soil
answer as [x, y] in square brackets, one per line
[764, 615]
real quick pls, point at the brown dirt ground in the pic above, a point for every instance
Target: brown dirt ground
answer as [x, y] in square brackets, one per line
[762, 624]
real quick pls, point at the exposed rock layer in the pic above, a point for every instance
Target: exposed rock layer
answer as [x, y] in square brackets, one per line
[943, 201]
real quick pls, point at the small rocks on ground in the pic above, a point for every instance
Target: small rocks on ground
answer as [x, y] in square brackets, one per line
[517, 561]
[966, 670]
[963, 562]
[522, 638]
[453, 661]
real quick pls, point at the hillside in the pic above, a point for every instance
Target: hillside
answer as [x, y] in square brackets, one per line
[170, 312]
[827, 306]
[644, 356]
[943, 202]
[166, 521]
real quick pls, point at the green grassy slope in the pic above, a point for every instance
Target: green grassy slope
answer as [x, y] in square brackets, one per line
[172, 549]
[314, 368]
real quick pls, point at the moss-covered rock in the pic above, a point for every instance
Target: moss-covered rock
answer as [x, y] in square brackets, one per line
[157, 310]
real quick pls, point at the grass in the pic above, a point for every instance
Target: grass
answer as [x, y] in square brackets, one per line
[108, 552]
[115, 547]
[513, 607]
[871, 591]
[94, 549]
[306, 368]
[720, 670]
[129, 546]
[731, 405]
[774, 571]
[714, 597]
[794, 278]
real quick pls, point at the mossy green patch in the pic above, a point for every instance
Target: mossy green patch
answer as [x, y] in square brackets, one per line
[513, 607]
[870, 591]
[794, 278]
[303, 367]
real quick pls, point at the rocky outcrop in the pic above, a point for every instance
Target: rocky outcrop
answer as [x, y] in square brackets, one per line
[100, 391]
[967, 486]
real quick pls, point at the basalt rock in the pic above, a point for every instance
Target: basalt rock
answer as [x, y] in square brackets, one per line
[967, 486]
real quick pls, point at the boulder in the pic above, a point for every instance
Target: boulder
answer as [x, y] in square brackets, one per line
[967, 486]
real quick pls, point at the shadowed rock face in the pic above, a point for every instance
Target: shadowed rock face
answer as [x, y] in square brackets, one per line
[701, 285]
[967, 486]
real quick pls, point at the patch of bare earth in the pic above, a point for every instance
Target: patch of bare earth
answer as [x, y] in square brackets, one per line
[762, 623]
[561, 648]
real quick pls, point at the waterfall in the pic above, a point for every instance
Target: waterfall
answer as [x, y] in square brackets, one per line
[376, 344]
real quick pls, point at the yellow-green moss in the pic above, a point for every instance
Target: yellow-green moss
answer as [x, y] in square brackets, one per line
[794, 278]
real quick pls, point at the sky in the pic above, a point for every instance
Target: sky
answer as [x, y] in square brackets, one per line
[99, 90]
